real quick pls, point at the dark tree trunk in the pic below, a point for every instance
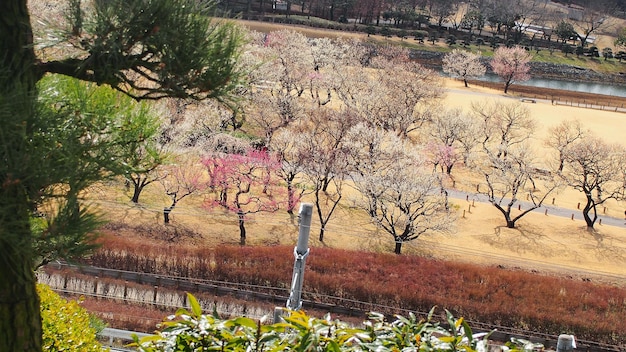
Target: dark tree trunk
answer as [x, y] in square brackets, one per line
[465, 82]
[290, 196]
[321, 238]
[242, 228]
[136, 192]
[590, 221]
[506, 86]
[20, 323]
[20, 318]
[510, 223]
[398, 249]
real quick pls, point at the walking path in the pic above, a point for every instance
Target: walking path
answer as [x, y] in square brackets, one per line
[551, 209]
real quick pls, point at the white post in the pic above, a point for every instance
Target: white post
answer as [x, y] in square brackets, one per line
[565, 343]
[300, 252]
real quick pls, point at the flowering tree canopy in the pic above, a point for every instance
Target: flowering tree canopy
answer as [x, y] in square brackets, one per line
[511, 64]
[244, 184]
[463, 64]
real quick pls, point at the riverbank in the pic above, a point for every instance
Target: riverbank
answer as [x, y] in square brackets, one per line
[433, 60]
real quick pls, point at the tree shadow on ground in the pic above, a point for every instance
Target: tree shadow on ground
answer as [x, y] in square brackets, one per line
[523, 239]
[605, 249]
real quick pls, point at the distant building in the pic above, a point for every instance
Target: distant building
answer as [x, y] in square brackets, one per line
[535, 30]
[280, 5]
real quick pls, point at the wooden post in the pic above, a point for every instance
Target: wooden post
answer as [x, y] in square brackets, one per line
[463, 214]
[473, 202]
[572, 216]
[154, 296]
[578, 206]
[546, 212]
[552, 201]
[600, 222]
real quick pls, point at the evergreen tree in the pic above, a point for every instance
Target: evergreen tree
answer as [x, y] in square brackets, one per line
[146, 49]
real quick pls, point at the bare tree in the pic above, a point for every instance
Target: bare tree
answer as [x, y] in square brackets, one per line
[441, 10]
[562, 137]
[511, 64]
[180, 180]
[527, 13]
[290, 146]
[327, 160]
[463, 64]
[506, 161]
[594, 18]
[596, 169]
[401, 196]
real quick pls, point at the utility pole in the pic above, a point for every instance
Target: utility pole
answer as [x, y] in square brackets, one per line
[300, 252]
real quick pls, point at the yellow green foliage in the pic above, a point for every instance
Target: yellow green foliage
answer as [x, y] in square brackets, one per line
[66, 325]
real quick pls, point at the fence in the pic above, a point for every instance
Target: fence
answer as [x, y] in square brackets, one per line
[98, 286]
[584, 102]
[129, 291]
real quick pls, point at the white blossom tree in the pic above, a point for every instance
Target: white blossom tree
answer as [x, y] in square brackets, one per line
[563, 136]
[463, 64]
[453, 134]
[404, 94]
[326, 159]
[291, 148]
[179, 180]
[400, 195]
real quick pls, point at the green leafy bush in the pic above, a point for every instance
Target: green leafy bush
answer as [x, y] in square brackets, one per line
[66, 325]
[194, 331]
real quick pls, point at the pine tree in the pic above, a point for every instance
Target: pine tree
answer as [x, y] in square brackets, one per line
[146, 49]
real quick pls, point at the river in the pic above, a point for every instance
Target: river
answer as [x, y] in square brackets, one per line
[589, 87]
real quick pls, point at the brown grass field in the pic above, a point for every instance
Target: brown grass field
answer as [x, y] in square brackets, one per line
[540, 242]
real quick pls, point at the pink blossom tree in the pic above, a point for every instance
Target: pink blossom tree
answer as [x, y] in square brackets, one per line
[244, 184]
[511, 64]
[443, 156]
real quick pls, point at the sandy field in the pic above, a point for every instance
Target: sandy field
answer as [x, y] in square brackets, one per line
[543, 243]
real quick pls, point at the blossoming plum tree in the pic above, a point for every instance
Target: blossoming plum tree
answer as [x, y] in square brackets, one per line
[511, 64]
[244, 184]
